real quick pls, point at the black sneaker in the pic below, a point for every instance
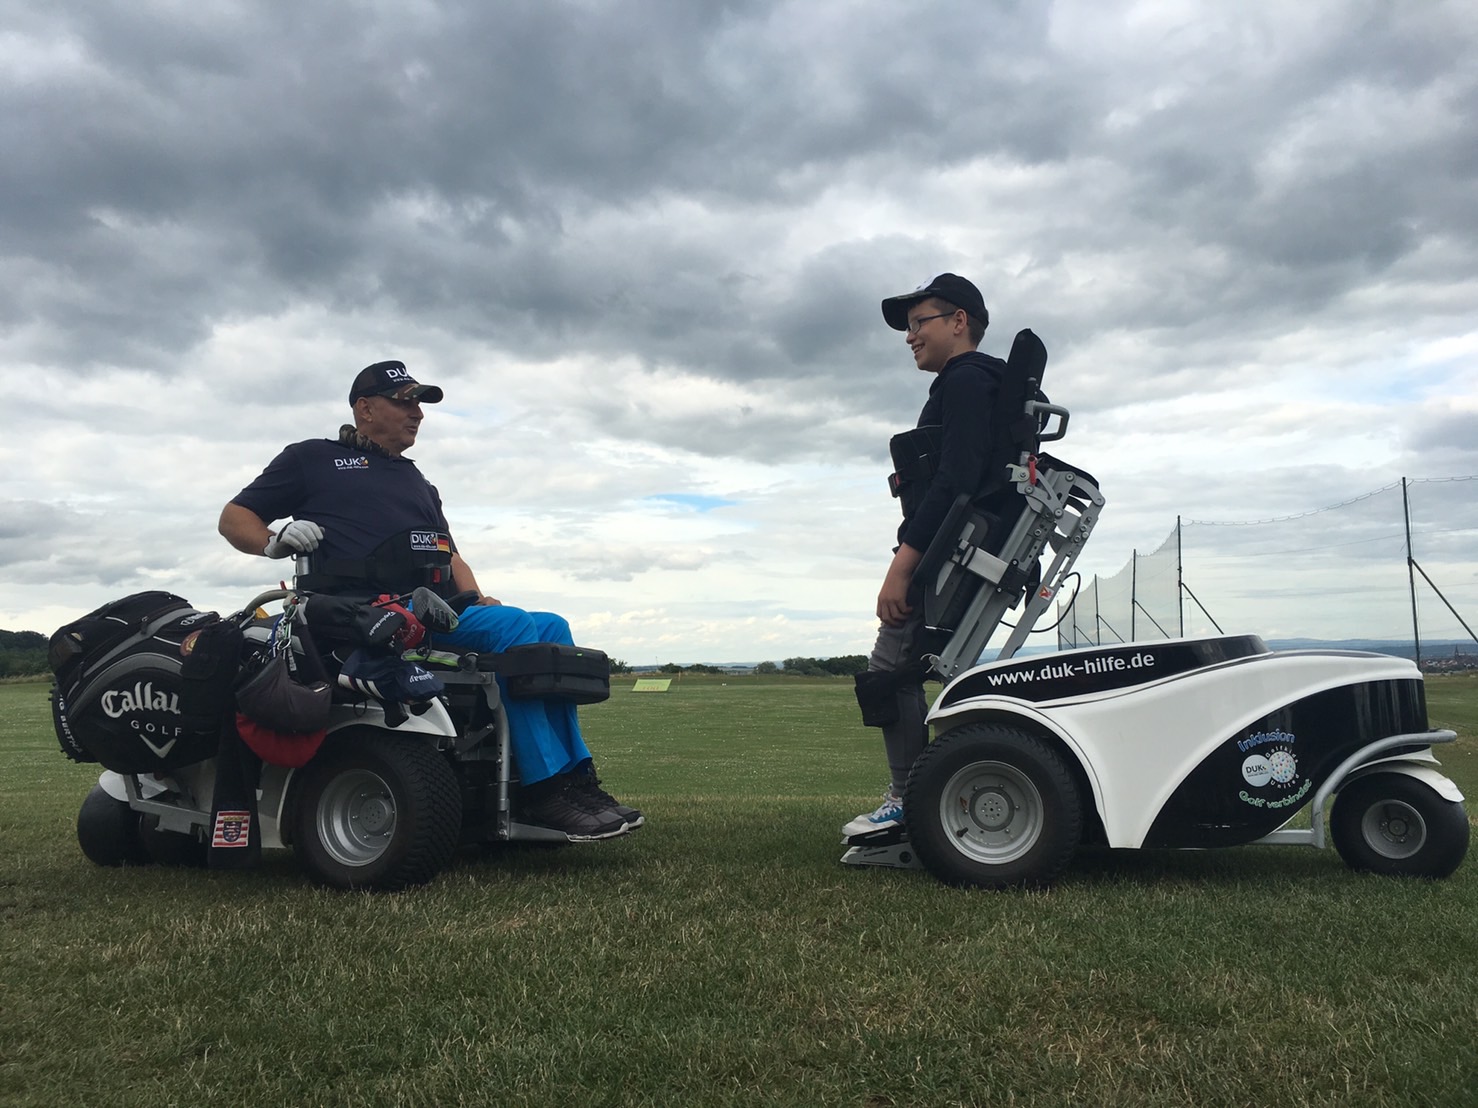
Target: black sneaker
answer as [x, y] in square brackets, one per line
[562, 808]
[587, 784]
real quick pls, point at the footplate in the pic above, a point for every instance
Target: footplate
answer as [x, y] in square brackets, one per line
[889, 848]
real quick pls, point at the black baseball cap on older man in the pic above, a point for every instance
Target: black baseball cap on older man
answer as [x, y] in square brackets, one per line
[949, 287]
[392, 379]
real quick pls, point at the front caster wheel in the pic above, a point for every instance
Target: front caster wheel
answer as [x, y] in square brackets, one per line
[1393, 824]
[109, 831]
[992, 806]
[376, 811]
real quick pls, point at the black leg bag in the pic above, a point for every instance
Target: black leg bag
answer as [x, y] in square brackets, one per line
[552, 671]
[877, 696]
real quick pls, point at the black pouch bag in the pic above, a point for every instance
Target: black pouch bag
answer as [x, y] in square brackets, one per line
[283, 689]
[877, 696]
[552, 671]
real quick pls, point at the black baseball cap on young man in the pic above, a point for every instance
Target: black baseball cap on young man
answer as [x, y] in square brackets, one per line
[949, 287]
[394, 380]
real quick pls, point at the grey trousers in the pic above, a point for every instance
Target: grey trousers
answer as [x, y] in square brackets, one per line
[904, 741]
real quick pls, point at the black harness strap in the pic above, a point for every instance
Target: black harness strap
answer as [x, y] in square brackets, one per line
[400, 564]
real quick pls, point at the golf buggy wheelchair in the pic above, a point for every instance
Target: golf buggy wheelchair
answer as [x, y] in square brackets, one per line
[1182, 743]
[406, 756]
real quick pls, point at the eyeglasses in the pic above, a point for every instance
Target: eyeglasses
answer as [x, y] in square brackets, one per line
[915, 324]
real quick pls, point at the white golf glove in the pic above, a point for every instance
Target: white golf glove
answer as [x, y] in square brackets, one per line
[298, 537]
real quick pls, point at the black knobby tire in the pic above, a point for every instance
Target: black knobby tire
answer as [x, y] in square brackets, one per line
[108, 831]
[1393, 824]
[376, 811]
[992, 806]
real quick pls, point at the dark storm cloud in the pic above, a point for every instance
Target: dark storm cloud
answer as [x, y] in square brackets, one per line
[626, 180]
[188, 167]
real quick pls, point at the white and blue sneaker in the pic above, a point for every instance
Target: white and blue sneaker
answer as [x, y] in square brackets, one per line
[888, 814]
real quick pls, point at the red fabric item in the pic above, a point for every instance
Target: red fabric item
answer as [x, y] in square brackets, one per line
[279, 748]
[408, 637]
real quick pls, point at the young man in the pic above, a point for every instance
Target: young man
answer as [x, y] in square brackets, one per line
[943, 322]
[349, 498]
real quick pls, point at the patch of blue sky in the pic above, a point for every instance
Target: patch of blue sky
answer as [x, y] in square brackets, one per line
[692, 501]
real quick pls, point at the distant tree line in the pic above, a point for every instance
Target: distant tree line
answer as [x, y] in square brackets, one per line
[22, 654]
[844, 665]
[698, 667]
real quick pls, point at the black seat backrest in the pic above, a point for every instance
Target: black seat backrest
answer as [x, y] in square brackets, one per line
[1015, 430]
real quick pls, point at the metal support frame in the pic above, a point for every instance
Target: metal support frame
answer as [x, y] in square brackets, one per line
[1061, 508]
[506, 828]
[172, 817]
[889, 848]
[1315, 834]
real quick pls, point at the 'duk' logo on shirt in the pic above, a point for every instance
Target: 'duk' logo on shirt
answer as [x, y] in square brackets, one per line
[351, 463]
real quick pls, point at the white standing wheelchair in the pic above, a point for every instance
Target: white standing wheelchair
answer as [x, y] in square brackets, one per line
[1181, 743]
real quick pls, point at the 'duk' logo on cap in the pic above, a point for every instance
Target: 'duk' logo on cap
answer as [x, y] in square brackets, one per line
[397, 374]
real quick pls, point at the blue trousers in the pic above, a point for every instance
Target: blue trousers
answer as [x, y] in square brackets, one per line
[545, 734]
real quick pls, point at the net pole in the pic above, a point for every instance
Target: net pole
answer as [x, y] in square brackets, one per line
[1179, 580]
[1097, 614]
[1416, 633]
[1133, 591]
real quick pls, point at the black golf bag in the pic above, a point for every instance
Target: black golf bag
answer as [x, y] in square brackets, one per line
[120, 697]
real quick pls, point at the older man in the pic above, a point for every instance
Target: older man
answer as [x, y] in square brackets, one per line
[363, 506]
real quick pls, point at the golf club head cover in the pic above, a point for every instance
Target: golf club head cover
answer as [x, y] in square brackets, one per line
[390, 680]
[347, 619]
[433, 611]
[411, 630]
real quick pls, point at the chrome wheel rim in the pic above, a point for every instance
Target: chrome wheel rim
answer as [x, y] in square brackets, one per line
[1394, 829]
[991, 812]
[356, 817]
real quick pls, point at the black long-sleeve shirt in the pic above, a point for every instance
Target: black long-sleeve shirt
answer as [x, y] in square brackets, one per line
[961, 402]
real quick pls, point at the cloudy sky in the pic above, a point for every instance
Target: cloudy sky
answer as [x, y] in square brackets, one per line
[641, 246]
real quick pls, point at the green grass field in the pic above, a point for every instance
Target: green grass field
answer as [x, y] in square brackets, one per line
[723, 956]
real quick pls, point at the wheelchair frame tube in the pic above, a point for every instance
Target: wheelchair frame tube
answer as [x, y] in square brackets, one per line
[1048, 520]
[1316, 834]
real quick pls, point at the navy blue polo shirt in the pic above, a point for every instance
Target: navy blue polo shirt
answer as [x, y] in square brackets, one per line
[359, 498]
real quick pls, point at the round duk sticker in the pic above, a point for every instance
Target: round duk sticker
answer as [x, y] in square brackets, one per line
[1256, 771]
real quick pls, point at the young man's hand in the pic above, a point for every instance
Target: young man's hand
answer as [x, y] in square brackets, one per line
[893, 605]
